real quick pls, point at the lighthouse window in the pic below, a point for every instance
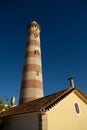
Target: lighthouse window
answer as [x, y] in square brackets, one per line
[37, 73]
[77, 109]
[35, 35]
[36, 52]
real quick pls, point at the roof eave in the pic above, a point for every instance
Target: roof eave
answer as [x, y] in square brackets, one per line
[81, 95]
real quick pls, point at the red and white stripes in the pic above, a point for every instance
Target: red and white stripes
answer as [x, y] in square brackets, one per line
[32, 85]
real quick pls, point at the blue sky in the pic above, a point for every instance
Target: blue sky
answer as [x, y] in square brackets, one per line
[63, 43]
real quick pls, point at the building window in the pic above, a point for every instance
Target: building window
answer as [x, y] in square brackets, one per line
[77, 108]
[36, 52]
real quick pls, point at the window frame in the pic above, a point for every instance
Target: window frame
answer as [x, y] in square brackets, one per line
[77, 108]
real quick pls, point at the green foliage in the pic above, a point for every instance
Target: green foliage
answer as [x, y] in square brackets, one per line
[2, 106]
[4, 103]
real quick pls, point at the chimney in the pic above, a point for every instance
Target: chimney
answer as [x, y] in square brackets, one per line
[71, 79]
[12, 101]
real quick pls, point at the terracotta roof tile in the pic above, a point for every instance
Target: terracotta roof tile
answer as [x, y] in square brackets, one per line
[41, 104]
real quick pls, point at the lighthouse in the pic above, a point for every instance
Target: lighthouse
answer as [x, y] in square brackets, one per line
[32, 83]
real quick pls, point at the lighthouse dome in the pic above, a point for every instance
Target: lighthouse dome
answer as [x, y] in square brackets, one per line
[34, 24]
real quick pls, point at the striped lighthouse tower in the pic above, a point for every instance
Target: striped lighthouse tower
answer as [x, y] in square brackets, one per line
[32, 86]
